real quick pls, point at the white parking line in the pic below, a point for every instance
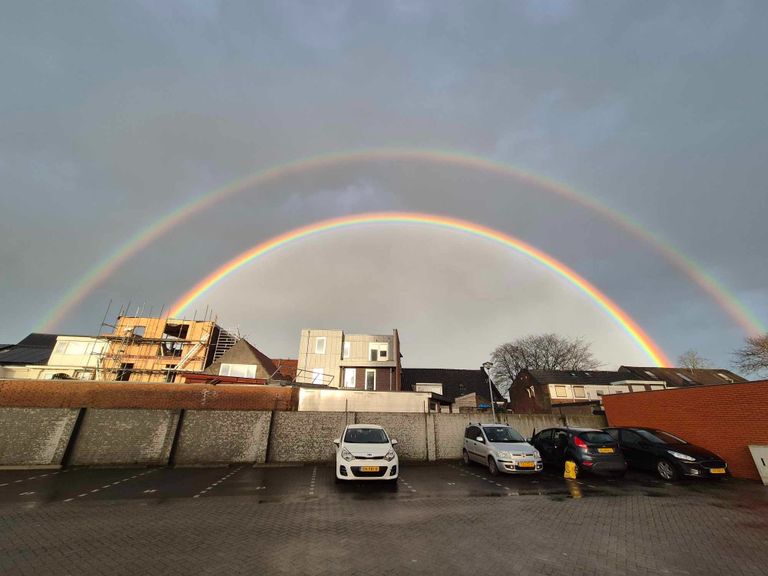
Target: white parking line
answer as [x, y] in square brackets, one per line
[95, 490]
[312, 481]
[219, 481]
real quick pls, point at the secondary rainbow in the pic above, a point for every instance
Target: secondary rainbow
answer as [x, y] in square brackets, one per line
[101, 271]
[636, 333]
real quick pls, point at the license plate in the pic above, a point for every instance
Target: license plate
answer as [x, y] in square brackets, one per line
[717, 471]
[605, 450]
[369, 468]
[525, 465]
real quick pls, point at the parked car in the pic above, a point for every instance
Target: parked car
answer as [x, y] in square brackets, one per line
[501, 448]
[592, 450]
[666, 454]
[366, 452]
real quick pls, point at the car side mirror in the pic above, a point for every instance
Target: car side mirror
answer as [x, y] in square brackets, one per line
[480, 439]
[337, 442]
[394, 442]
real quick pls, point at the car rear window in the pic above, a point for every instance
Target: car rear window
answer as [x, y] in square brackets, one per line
[596, 437]
[365, 436]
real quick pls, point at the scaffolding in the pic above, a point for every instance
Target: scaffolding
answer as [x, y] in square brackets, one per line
[150, 348]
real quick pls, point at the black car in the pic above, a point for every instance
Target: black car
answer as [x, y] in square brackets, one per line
[592, 450]
[666, 454]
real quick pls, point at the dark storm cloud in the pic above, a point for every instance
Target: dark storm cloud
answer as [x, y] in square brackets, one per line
[112, 115]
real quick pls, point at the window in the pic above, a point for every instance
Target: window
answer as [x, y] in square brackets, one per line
[561, 391]
[472, 432]
[72, 348]
[378, 351]
[365, 436]
[724, 377]
[238, 370]
[651, 374]
[630, 438]
[124, 373]
[320, 345]
[350, 377]
[317, 375]
[170, 374]
[684, 377]
[345, 352]
[578, 392]
[138, 330]
[370, 379]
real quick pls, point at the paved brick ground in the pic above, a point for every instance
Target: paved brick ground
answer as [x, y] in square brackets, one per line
[441, 519]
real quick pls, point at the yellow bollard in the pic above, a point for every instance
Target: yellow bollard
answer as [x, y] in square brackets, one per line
[570, 470]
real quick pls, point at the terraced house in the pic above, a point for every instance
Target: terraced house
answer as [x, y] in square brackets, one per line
[351, 361]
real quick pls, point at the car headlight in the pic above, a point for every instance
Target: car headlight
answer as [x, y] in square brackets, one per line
[504, 455]
[681, 456]
[347, 455]
[390, 455]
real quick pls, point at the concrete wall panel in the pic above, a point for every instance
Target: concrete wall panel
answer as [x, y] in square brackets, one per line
[110, 437]
[305, 436]
[410, 431]
[35, 436]
[231, 436]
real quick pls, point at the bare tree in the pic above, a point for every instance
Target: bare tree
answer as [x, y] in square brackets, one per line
[753, 356]
[544, 352]
[692, 360]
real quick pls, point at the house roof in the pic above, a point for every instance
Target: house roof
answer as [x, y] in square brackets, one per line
[455, 382]
[286, 366]
[241, 351]
[34, 349]
[682, 377]
[586, 377]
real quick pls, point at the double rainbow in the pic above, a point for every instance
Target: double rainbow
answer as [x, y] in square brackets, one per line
[99, 273]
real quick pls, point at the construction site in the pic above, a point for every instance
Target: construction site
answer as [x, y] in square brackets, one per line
[159, 349]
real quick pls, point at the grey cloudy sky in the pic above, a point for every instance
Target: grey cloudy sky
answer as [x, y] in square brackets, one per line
[114, 113]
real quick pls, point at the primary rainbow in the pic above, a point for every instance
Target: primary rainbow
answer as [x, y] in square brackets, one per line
[651, 349]
[101, 271]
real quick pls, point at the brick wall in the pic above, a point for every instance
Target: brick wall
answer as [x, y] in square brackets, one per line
[724, 419]
[160, 396]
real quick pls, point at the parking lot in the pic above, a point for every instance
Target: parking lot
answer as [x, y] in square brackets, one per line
[446, 516]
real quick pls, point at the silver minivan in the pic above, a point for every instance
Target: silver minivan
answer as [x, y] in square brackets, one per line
[501, 448]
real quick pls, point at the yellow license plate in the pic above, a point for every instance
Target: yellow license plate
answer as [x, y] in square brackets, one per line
[369, 468]
[526, 464]
[605, 450]
[717, 471]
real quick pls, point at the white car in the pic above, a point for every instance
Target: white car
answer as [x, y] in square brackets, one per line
[366, 452]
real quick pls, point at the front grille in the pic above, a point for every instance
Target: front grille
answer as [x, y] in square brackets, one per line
[368, 457]
[378, 474]
[713, 464]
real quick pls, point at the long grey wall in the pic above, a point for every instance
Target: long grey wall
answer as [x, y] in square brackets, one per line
[40, 436]
[35, 436]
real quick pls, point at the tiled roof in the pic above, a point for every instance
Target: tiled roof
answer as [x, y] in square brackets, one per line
[681, 377]
[455, 382]
[594, 377]
[34, 349]
[286, 366]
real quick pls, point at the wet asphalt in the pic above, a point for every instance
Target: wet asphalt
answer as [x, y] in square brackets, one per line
[30, 488]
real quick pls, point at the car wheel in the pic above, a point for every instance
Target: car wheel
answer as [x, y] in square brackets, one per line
[492, 468]
[465, 458]
[666, 470]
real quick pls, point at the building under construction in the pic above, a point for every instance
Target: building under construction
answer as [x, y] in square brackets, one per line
[159, 349]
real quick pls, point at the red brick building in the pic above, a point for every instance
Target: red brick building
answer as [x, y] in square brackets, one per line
[725, 418]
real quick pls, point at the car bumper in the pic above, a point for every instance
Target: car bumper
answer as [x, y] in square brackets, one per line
[518, 467]
[611, 466]
[698, 470]
[353, 470]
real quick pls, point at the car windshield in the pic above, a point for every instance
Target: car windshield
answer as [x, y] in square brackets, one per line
[365, 436]
[596, 437]
[502, 434]
[659, 437]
